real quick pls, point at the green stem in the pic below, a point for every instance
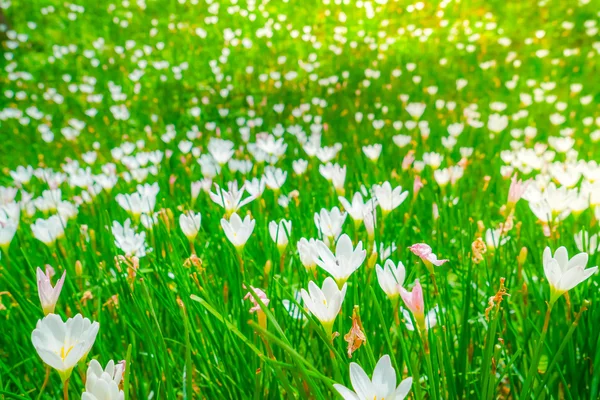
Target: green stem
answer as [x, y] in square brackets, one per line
[536, 355]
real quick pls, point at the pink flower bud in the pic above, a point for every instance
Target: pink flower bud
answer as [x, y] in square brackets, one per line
[48, 294]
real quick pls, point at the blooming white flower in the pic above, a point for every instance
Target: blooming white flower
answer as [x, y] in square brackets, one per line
[230, 200]
[189, 222]
[325, 303]
[237, 231]
[355, 209]
[307, 249]
[494, 238]
[61, 345]
[280, 233]
[381, 387]
[372, 151]
[141, 201]
[48, 230]
[430, 319]
[103, 384]
[586, 242]
[128, 240]
[344, 262]
[334, 174]
[329, 223]
[387, 198]
[564, 274]
[391, 278]
[8, 229]
[274, 177]
[221, 150]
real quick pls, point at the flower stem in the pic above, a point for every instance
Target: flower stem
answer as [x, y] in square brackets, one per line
[66, 390]
[46, 379]
[536, 355]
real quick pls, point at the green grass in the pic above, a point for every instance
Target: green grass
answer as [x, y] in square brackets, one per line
[188, 331]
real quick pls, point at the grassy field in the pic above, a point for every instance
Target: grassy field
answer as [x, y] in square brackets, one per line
[192, 166]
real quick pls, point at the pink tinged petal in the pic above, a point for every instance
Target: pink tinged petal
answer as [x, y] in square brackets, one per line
[575, 276]
[403, 389]
[384, 377]
[579, 260]
[407, 298]
[346, 393]
[360, 382]
[418, 298]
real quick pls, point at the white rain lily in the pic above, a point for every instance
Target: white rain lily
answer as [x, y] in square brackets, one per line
[189, 223]
[103, 384]
[230, 200]
[356, 209]
[325, 303]
[128, 240]
[586, 242]
[344, 262]
[430, 319]
[391, 278]
[494, 238]
[564, 274]
[8, 229]
[329, 223]
[381, 387]
[308, 252]
[237, 231]
[61, 345]
[48, 230]
[274, 177]
[280, 233]
[387, 198]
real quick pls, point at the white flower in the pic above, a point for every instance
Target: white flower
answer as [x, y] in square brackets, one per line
[103, 384]
[274, 177]
[299, 166]
[587, 243]
[128, 240]
[189, 223]
[494, 238]
[329, 223]
[221, 150]
[230, 200]
[334, 174]
[255, 187]
[564, 274]
[8, 229]
[430, 319]
[61, 345]
[355, 209]
[237, 231]
[141, 201]
[381, 387]
[391, 278]
[307, 249]
[280, 233]
[345, 261]
[372, 151]
[325, 303]
[48, 230]
[387, 198]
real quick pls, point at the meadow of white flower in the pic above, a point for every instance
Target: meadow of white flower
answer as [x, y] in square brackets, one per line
[315, 199]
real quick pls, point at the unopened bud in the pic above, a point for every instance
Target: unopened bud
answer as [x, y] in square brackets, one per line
[522, 256]
[78, 268]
